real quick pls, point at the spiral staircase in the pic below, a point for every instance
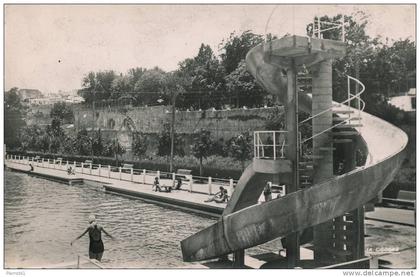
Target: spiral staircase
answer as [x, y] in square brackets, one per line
[246, 223]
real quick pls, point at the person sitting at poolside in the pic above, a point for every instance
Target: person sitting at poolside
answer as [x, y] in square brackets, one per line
[267, 192]
[219, 197]
[31, 167]
[96, 246]
[70, 171]
[178, 184]
[226, 195]
[156, 186]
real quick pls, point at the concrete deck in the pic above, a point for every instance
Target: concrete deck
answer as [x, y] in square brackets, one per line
[183, 199]
[393, 215]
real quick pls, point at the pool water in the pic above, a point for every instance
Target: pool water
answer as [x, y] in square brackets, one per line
[42, 217]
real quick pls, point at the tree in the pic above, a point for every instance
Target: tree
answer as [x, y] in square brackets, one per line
[83, 143]
[68, 146]
[118, 150]
[14, 117]
[30, 136]
[97, 143]
[393, 67]
[113, 148]
[121, 86]
[62, 112]
[205, 77]
[97, 86]
[139, 145]
[134, 75]
[164, 143]
[202, 147]
[204, 70]
[219, 148]
[235, 48]
[152, 80]
[242, 85]
[240, 147]
[43, 143]
[55, 135]
[150, 87]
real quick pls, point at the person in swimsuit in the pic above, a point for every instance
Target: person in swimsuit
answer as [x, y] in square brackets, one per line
[96, 246]
[178, 184]
[267, 192]
[219, 197]
[156, 185]
[70, 171]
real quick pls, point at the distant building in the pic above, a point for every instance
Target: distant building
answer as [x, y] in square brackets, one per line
[74, 99]
[27, 94]
[45, 101]
[52, 99]
[406, 102]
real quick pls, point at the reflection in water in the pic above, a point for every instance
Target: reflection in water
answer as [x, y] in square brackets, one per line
[42, 217]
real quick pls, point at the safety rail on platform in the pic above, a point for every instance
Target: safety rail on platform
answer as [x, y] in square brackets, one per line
[270, 144]
[319, 26]
[191, 183]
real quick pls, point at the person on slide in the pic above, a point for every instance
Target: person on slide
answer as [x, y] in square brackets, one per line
[96, 246]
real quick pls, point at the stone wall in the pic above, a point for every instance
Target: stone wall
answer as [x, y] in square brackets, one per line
[222, 124]
[121, 121]
[39, 114]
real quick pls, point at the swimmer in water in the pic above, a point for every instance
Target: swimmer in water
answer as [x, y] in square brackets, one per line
[96, 246]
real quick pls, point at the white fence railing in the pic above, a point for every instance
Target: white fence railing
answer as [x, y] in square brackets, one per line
[196, 184]
[270, 144]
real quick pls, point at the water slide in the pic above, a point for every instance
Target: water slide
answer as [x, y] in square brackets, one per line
[245, 223]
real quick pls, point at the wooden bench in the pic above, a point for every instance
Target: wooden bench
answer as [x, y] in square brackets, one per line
[406, 195]
[126, 168]
[184, 175]
[87, 163]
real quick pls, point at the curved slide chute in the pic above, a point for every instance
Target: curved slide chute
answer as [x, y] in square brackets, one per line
[245, 223]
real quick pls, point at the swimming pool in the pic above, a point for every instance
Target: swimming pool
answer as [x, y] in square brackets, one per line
[42, 217]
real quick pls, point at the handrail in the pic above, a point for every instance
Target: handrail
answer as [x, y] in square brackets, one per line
[354, 96]
[350, 98]
[132, 177]
[259, 146]
[92, 261]
[317, 32]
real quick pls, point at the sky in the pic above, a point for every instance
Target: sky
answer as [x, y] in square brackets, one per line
[51, 47]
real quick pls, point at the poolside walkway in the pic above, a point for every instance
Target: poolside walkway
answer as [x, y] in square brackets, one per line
[393, 215]
[390, 230]
[193, 201]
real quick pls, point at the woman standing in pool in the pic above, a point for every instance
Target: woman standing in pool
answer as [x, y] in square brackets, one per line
[96, 246]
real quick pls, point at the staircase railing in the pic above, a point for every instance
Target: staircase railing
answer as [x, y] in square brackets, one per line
[350, 97]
